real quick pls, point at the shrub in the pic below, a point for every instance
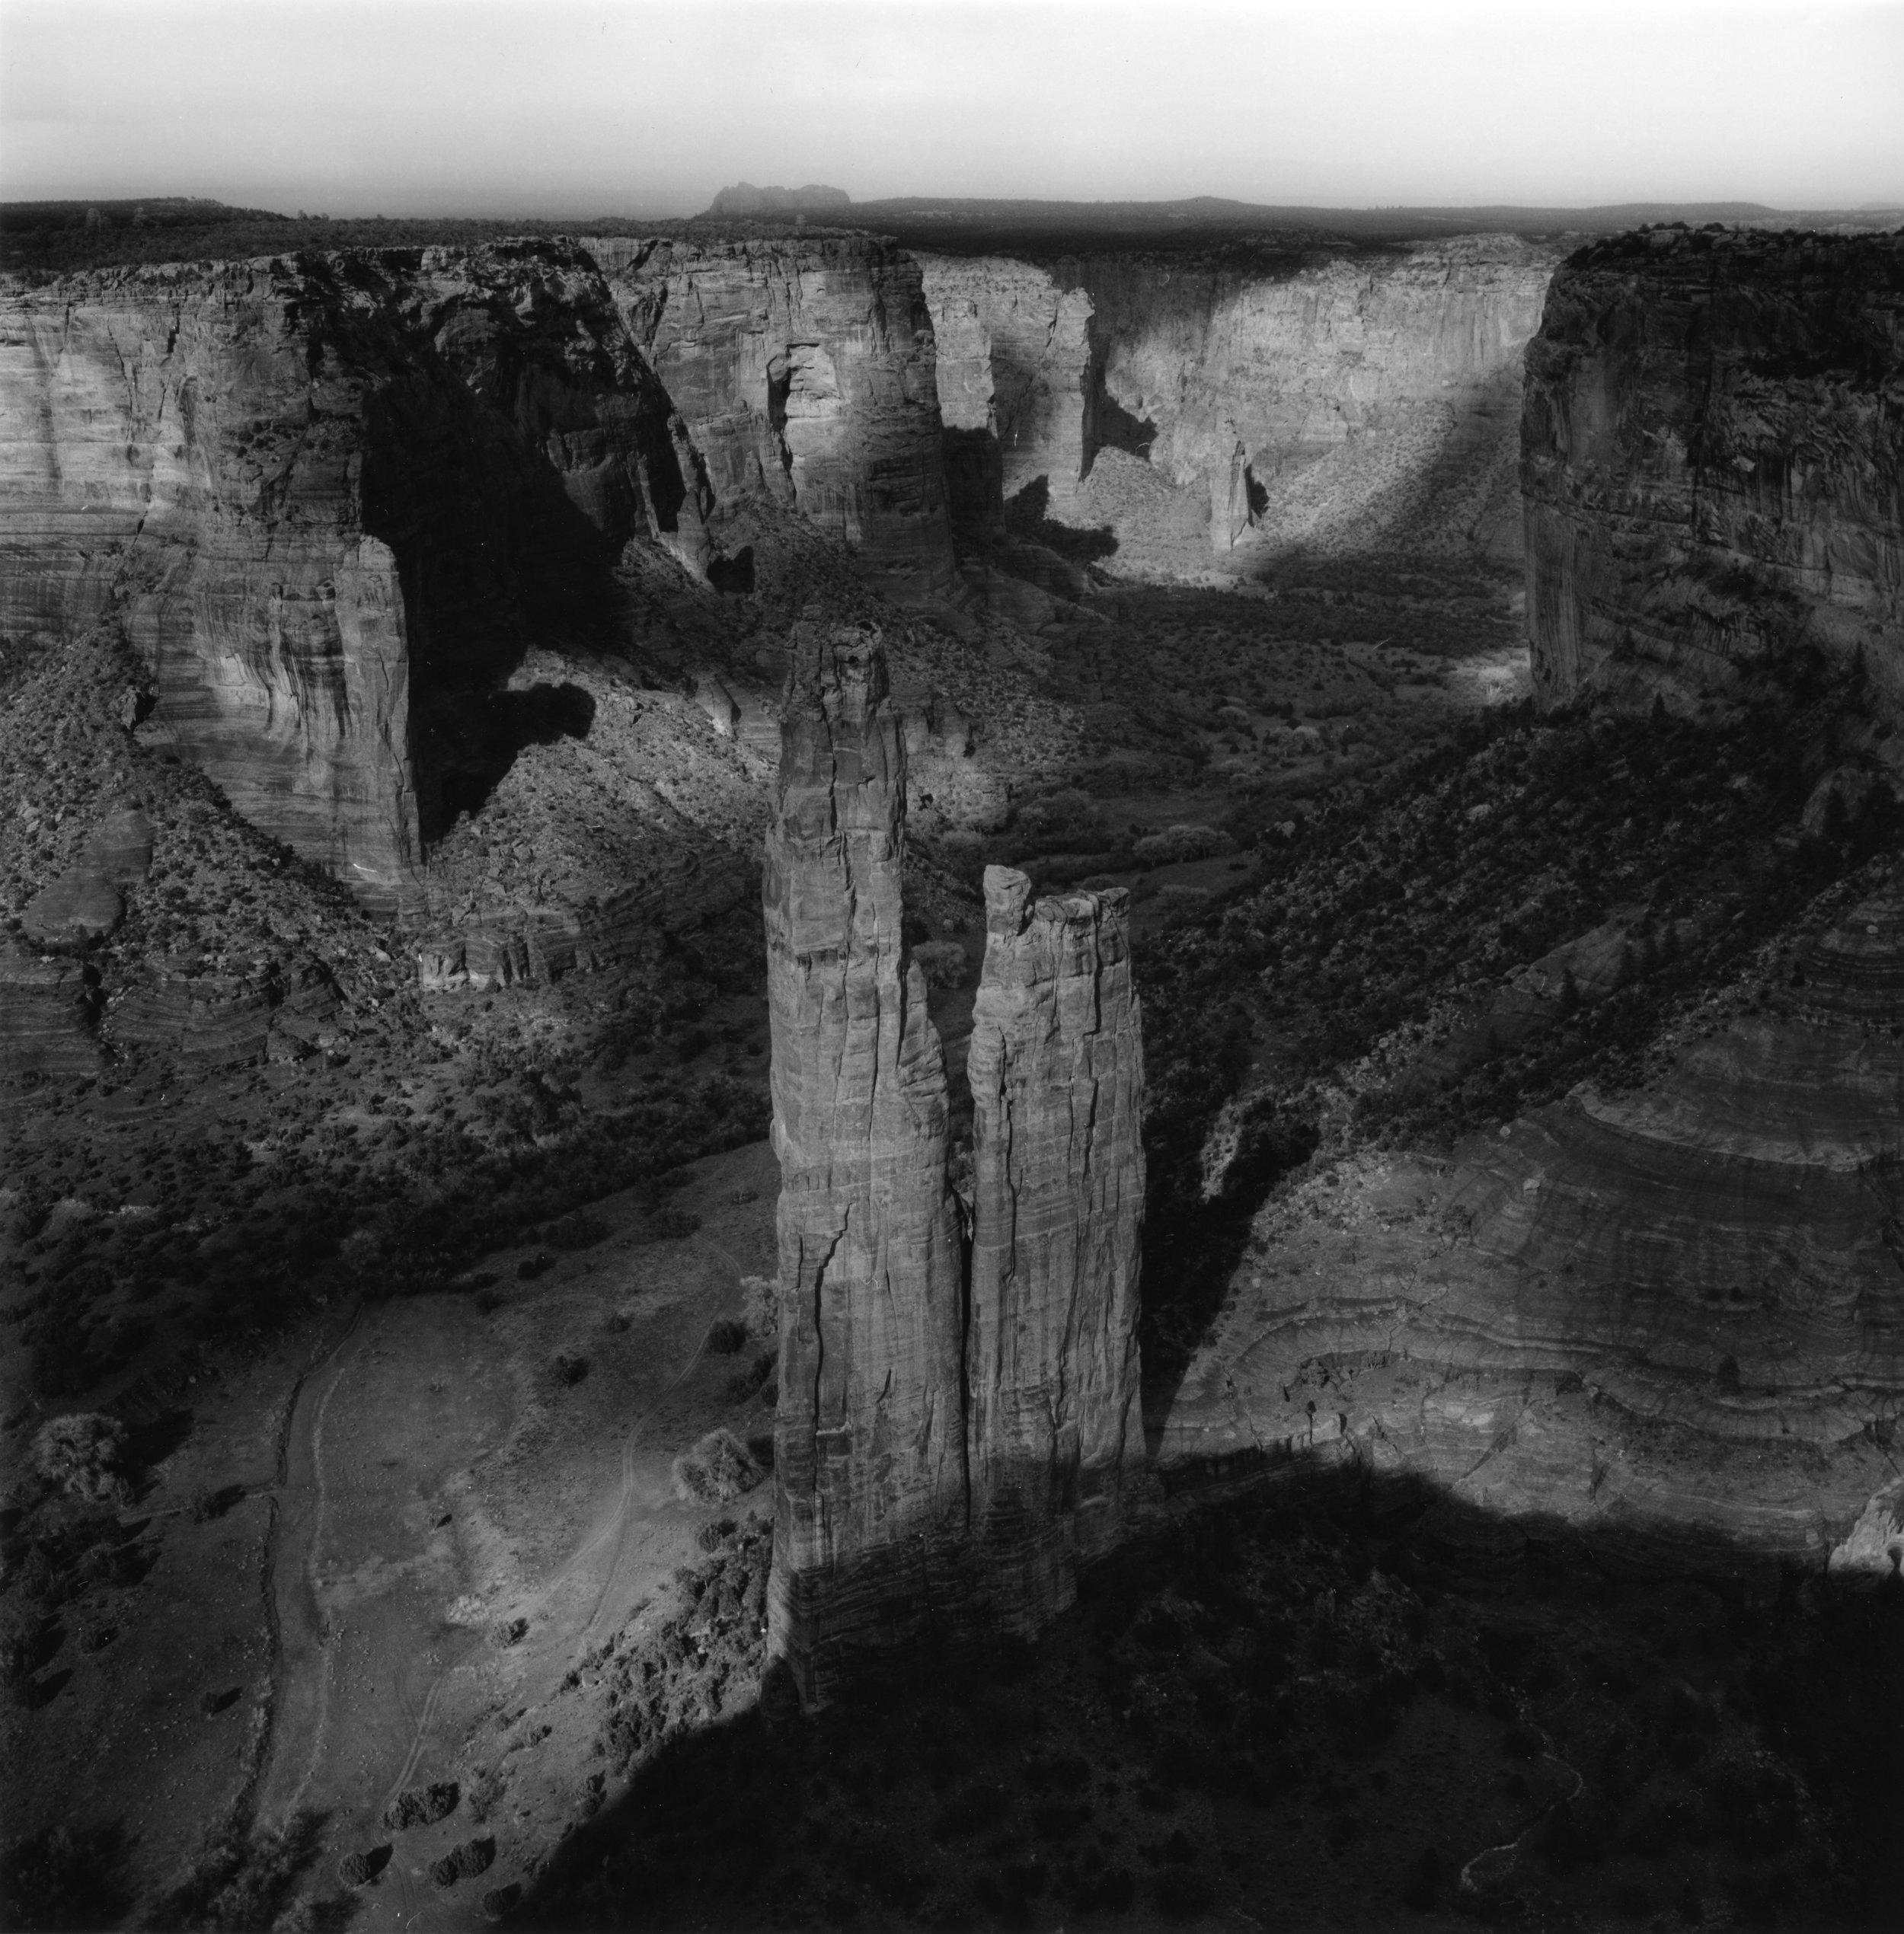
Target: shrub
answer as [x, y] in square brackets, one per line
[944, 963]
[485, 1791]
[716, 1470]
[744, 1383]
[498, 1901]
[668, 1223]
[464, 1862]
[727, 1336]
[422, 1806]
[84, 1454]
[1176, 844]
[569, 1370]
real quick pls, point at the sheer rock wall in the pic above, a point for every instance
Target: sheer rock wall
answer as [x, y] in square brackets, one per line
[805, 371]
[1014, 376]
[1057, 1073]
[1243, 375]
[1713, 467]
[328, 496]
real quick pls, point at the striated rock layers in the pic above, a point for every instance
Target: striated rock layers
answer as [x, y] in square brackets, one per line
[1015, 379]
[1675, 1309]
[329, 496]
[805, 371]
[1713, 467]
[1231, 377]
[1057, 1065]
[944, 1456]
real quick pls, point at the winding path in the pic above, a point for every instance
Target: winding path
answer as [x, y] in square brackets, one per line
[311, 1638]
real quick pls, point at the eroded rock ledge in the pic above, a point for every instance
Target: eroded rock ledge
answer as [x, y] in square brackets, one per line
[947, 1447]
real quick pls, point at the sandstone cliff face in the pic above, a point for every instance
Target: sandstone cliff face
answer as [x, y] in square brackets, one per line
[1056, 1069]
[1014, 376]
[804, 370]
[1713, 467]
[948, 1448]
[1234, 377]
[1678, 1309]
[870, 1435]
[326, 496]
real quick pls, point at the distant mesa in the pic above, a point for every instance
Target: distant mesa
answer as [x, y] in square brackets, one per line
[743, 198]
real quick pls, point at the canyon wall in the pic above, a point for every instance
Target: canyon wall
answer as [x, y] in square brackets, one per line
[1057, 1071]
[949, 1448]
[331, 499]
[869, 1433]
[1675, 1310]
[1713, 467]
[1014, 378]
[805, 372]
[1236, 377]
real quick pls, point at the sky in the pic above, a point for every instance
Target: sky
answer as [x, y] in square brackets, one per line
[544, 107]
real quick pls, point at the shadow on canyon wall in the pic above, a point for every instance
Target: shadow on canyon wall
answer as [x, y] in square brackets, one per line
[1318, 1695]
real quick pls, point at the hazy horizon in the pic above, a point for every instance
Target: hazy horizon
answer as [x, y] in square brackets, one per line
[495, 107]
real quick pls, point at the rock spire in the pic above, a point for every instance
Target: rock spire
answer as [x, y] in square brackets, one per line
[958, 1425]
[870, 1447]
[1057, 1073]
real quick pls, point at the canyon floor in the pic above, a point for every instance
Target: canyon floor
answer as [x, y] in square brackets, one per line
[410, 1297]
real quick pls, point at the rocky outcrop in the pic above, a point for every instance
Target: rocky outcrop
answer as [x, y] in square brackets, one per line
[1015, 379]
[329, 496]
[947, 1453]
[869, 1433]
[805, 372]
[1057, 1065]
[1397, 368]
[743, 198]
[49, 1010]
[1713, 468]
[1675, 1309]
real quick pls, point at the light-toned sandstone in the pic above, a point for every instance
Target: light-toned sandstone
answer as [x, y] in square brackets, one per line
[869, 1433]
[1056, 1066]
[804, 372]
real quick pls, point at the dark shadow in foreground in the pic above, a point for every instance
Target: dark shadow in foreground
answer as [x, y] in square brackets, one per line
[1330, 1700]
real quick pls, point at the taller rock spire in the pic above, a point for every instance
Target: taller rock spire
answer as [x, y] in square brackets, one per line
[870, 1449]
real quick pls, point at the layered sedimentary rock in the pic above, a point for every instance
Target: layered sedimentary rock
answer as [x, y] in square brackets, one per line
[1676, 1309]
[869, 1434]
[1057, 1073]
[805, 371]
[1713, 467]
[948, 1449]
[1014, 379]
[1236, 378]
[327, 495]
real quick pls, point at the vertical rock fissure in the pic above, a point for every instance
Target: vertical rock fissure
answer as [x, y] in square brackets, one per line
[954, 1437]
